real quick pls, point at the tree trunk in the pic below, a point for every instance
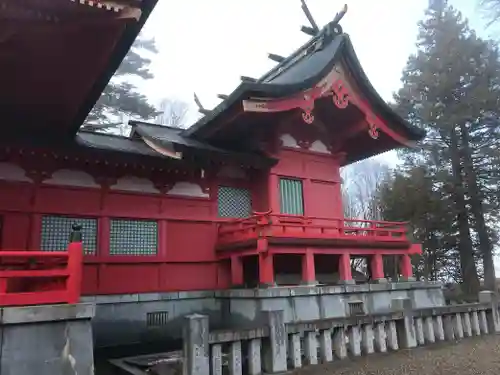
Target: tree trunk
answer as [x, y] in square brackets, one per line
[485, 246]
[467, 264]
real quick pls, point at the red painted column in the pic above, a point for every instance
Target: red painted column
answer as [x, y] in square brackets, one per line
[377, 268]
[308, 270]
[236, 271]
[345, 273]
[406, 267]
[266, 269]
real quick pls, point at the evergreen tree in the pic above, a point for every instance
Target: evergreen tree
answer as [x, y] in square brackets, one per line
[450, 88]
[120, 98]
[415, 196]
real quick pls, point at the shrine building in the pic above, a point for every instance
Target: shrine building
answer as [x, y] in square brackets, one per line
[247, 197]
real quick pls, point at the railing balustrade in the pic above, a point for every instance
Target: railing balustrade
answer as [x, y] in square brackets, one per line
[280, 346]
[41, 277]
[276, 225]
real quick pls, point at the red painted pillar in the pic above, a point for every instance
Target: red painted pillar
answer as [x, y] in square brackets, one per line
[377, 268]
[308, 270]
[406, 267]
[345, 273]
[236, 271]
[266, 269]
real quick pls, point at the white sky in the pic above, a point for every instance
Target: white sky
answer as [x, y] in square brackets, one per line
[205, 46]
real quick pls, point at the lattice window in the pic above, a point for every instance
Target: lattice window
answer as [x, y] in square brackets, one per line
[133, 237]
[234, 202]
[292, 201]
[56, 230]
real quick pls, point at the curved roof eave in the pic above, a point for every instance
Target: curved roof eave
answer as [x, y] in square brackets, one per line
[278, 90]
[376, 101]
[263, 89]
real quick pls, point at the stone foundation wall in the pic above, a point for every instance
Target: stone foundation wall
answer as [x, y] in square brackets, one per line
[156, 317]
[46, 340]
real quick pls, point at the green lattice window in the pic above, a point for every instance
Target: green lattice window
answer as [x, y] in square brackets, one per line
[133, 237]
[291, 197]
[56, 230]
[234, 202]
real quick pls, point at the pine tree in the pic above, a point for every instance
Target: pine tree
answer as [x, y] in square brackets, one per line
[417, 197]
[451, 89]
[120, 98]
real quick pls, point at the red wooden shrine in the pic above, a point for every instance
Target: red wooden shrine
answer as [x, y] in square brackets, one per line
[249, 195]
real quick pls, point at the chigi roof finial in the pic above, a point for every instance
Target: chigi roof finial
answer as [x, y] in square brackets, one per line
[201, 109]
[309, 30]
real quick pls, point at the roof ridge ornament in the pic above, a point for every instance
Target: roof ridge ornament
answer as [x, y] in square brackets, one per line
[201, 109]
[313, 30]
[334, 26]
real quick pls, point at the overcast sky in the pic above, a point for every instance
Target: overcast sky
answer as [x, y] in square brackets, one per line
[205, 46]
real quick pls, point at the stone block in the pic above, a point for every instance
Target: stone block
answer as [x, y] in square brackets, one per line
[275, 350]
[254, 357]
[196, 347]
[295, 351]
[46, 340]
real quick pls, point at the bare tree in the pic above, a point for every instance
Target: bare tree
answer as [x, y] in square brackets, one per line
[173, 113]
[490, 10]
[360, 184]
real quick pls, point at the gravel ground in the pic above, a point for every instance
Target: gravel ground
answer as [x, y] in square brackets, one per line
[478, 356]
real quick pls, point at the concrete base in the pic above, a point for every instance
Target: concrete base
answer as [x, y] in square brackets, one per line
[407, 280]
[123, 319]
[46, 340]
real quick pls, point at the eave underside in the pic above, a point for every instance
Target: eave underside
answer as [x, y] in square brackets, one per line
[54, 53]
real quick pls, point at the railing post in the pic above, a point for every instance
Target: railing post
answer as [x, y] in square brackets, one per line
[75, 264]
[196, 346]
[487, 296]
[275, 348]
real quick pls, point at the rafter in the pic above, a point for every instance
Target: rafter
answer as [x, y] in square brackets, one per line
[275, 58]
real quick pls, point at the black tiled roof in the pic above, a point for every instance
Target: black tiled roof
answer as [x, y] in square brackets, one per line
[166, 137]
[301, 71]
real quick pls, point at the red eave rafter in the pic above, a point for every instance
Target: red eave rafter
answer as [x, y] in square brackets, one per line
[332, 85]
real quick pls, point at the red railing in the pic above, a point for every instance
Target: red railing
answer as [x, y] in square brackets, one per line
[290, 226]
[41, 277]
